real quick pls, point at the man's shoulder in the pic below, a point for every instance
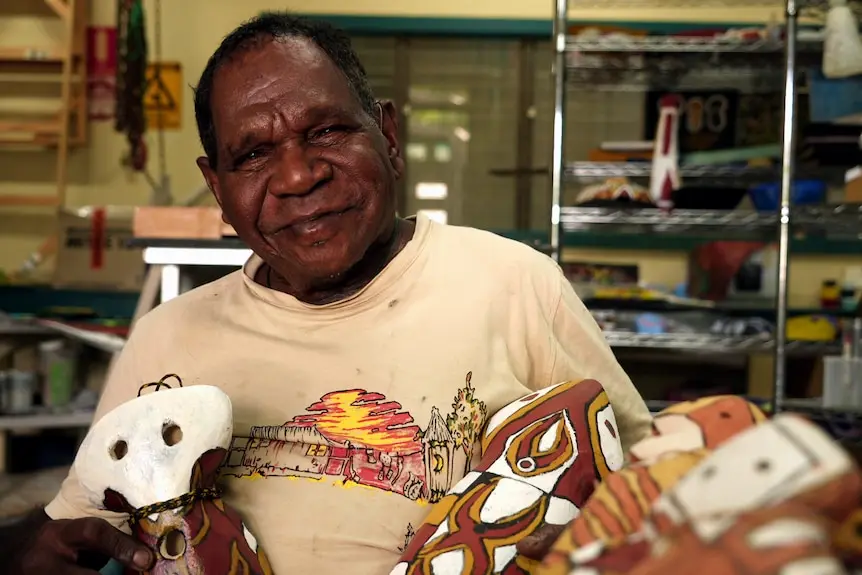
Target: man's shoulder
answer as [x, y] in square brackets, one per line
[489, 266]
[192, 307]
[484, 249]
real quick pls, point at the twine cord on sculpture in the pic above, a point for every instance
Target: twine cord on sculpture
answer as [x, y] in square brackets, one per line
[161, 383]
[206, 493]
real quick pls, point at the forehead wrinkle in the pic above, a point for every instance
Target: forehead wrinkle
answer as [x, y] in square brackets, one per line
[282, 83]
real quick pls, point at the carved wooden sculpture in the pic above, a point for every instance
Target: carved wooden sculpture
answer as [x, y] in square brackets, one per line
[682, 436]
[156, 458]
[763, 503]
[541, 458]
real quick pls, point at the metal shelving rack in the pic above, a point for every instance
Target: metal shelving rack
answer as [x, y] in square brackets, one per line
[785, 220]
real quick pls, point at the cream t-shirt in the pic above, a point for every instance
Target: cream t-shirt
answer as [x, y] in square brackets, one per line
[336, 407]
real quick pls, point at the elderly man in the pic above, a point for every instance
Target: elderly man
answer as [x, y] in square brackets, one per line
[357, 334]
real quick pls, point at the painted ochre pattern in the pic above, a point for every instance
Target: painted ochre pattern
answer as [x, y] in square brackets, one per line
[541, 457]
[765, 503]
[682, 437]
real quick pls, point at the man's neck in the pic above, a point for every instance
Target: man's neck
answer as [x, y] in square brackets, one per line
[351, 282]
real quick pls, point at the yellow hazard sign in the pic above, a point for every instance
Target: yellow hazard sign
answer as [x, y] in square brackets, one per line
[163, 97]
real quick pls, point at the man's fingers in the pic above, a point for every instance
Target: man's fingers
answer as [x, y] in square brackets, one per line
[100, 536]
[537, 545]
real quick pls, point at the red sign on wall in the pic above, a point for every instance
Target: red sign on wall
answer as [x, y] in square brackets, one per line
[101, 72]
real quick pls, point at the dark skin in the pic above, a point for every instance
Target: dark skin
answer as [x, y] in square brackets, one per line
[67, 547]
[306, 177]
[304, 174]
[294, 141]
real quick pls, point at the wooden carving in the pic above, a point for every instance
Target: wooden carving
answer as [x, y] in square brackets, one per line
[157, 458]
[541, 458]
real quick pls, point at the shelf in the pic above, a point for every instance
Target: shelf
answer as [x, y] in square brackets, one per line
[231, 251]
[106, 342]
[731, 174]
[32, 201]
[103, 340]
[680, 46]
[814, 406]
[746, 81]
[727, 308]
[661, 220]
[29, 131]
[19, 328]
[46, 421]
[668, 44]
[602, 170]
[30, 54]
[38, 127]
[708, 343]
[845, 221]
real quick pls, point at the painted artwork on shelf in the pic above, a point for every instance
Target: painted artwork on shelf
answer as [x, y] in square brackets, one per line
[602, 274]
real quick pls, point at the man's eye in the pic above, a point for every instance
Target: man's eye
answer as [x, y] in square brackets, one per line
[330, 130]
[249, 157]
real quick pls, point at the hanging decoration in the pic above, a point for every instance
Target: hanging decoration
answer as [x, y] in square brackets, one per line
[131, 78]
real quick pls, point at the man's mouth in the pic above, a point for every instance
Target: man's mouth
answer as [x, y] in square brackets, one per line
[305, 220]
[318, 227]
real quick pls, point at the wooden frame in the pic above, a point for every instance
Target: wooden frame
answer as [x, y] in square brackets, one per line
[68, 127]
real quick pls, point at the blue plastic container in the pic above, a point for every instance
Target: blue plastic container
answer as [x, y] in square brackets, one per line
[830, 99]
[765, 197]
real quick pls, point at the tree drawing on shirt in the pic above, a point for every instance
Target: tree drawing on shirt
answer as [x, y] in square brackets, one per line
[408, 537]
[466, 420]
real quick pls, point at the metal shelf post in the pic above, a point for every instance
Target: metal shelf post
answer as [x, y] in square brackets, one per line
[561, 14]
[788, 143]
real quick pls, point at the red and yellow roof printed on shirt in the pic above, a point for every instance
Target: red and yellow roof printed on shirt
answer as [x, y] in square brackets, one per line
[362, 418]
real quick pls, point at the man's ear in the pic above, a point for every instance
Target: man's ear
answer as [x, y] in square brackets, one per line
[389, 124]
[212, 182]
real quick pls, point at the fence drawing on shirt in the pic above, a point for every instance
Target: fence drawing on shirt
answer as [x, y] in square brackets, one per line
[361, 437]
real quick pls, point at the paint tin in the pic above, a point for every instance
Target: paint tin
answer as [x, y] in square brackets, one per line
[21, 386]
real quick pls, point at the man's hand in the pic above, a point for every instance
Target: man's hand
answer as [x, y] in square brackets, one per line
[537, 545]
[60, 548]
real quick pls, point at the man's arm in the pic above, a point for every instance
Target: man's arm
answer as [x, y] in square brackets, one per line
[38, 544]
[15, 537]
[574, 347]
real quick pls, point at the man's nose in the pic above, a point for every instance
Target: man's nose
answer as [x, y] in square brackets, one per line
[297, 171]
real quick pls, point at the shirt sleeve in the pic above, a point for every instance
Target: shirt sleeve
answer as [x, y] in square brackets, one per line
[576, 349]
[122, 384]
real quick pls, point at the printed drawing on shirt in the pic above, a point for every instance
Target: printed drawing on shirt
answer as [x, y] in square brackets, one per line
[361, 437]
[408, 537]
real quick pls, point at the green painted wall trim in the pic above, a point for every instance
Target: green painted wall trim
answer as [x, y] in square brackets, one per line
[446, 27]
[483, 27]
[647, 242]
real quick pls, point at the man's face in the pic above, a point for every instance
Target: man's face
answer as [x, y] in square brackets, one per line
[305, 176]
